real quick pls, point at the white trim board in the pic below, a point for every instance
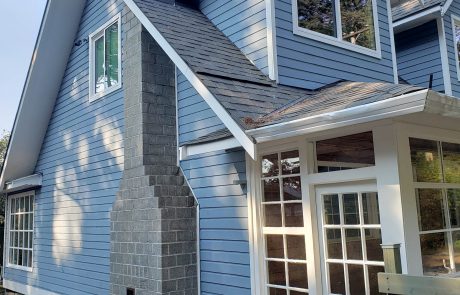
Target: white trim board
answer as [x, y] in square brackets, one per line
[417, 19]
[25, 289]
[455, 20]
[210, 99]
[392, 43]
[271, 40]
[444, 57]
[186, 151]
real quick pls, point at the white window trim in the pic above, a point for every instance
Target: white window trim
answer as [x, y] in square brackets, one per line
[335, 41]
[7, 223]
[92, 38]
[455, 19]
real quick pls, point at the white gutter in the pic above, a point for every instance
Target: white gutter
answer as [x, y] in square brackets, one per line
[388, 108]
[417, 19]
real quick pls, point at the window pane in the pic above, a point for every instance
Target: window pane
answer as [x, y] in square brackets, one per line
[296, 247]
[358, 22]
[334, 243]
[373, 242]
[99, 71]
[454, 206]
[273, 216]
[293, 215]
[275, 246]
[351, 208]
[290, 163]
[30, 258]
[353, 243]
[371, 213]
[317, 16]
[111, 54]
[270, 165]
[331, 209]
[20, 239]
[292, 189]
[296, 293]
[356, 277]
[336, 278]
[456, 242]
[13, 205]
[373, 270]
[430, 209]
[20, 257]
[10, 258]
[426, 164]
[11, 239]
[298, 275]
[25, 259]
[451, 162]
[276, 273]
[275, 291]
[434, 253]
[271, 190]
[21, 205]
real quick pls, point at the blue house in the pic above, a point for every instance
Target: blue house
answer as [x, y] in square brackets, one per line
[236, 147]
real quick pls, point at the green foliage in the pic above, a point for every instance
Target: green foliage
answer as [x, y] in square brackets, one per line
[4, 138]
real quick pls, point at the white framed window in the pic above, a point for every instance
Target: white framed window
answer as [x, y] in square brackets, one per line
[456, 37]
[344, 23]
[436, 177]
[20, 231]
[105, 59]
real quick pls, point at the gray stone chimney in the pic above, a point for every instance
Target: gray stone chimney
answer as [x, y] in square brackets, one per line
[153, 225]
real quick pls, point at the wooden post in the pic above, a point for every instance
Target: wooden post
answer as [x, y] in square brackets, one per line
[392, 258]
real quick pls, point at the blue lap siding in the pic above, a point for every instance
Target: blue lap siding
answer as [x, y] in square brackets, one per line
[307, 63]
[224, 234]
[450, 44]
[418, 54]
[81, 161]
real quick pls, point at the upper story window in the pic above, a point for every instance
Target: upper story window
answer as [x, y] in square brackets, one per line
[20, 230]
[456, 32]
[345, 23]
[105, 70]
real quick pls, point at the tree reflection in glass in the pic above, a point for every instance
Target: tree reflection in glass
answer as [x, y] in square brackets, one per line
[358, 22]
[317, 15]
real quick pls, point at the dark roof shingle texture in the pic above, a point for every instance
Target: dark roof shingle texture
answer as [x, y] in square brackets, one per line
[406, 8]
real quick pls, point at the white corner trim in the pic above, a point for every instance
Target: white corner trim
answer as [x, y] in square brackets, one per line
[446, 7]
[444, 57]
[271, 40]
[392, 43]
[389, 108]
[25, 289]
[213, 103]
[405, 23]
[208, 147]
[455, 19]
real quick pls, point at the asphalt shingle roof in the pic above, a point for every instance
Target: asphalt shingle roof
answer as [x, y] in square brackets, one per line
[406, 8]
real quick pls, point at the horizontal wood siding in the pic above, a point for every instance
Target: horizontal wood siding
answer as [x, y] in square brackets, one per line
[82, 161]
[307, 63]
[244, 23]
[223, 221]
[450, 44]
[418, 54]
[195, 117]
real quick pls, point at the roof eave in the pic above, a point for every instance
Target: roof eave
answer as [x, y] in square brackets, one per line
[417, 19]
[389, 108]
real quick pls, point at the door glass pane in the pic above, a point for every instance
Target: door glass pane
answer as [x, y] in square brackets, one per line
[276, 273]
[434, 253]
[293, 215]
[276, 291]
[317, 16]
[451, 162]
[430, 209]
[371, 213]
[99, 71]
[331, 209]
[426, 164]
[111, 54]
[275, 246]
[373, 270]
[290, 163]
[454, 206]
[270, 165]
[292, 190]
[353, 243]
[298, 275]
[456, 241]
[336, 278]
[334, 243]
[296, 293]
[271, 190]
[373, 242]
[358, 22]
[296, 247]
[356, 277]
[273, 216]
[350, 206]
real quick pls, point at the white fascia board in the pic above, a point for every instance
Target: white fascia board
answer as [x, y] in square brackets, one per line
[25, 289]
[208, 147]
[417, 19]
[442, 105]
[213, 103]
[389, 108]
[34, 180]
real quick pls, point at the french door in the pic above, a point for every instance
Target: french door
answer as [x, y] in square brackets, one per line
[350, 237]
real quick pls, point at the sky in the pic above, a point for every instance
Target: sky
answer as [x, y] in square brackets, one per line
[19, 24]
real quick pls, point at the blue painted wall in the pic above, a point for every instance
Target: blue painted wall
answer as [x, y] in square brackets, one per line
[307, 63]
[244, 23]
[418, 54]
[82, 162]
[450, 44]
[195, 117]
[223, 221]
